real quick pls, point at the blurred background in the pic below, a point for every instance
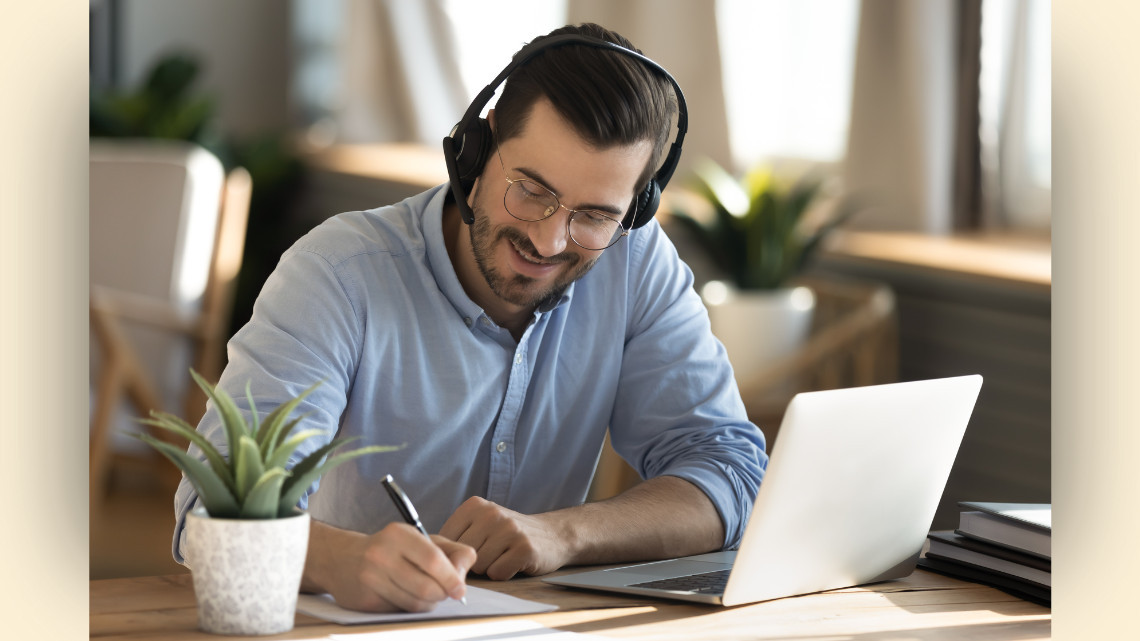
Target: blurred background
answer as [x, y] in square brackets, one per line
[934, 117]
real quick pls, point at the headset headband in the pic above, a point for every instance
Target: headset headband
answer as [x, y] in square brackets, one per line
[468, 145]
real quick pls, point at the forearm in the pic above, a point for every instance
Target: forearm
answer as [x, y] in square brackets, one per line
[327, 547]
[660, 518]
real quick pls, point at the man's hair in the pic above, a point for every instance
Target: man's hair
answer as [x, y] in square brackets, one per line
[610, 99]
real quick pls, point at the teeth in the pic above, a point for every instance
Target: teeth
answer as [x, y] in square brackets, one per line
[526, 256]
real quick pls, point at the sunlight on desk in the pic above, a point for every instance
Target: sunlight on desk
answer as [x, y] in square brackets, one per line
[923, 606]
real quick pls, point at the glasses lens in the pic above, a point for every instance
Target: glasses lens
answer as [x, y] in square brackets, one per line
[594, 230]
[526, 200]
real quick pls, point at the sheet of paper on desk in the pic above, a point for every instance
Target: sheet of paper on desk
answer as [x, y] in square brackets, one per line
[472, 632]
[480, 603]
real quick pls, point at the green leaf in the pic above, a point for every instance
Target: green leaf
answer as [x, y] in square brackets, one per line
[249, 466]
[232, 420]
[299, 482]
[767, 246]
[171, 77]
[310, 462]
[180, 427]
[266, 451]
[270, 433]
[281, 455]
[264, 496]
[253, 424]
[726, 193]
[216, 498]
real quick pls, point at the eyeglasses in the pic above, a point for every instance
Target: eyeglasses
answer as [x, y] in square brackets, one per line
[529, 201]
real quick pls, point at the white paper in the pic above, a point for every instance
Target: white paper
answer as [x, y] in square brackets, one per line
[513, 629]
[481, 602]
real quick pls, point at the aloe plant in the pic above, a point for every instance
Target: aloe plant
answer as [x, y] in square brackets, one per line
[757, 233]
[253, 483]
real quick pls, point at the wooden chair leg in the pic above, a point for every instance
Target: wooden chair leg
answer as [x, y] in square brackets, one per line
[128, 377]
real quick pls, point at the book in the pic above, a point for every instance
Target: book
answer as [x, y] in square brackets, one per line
[949, 546]
[1026, 527]
[1021, 589]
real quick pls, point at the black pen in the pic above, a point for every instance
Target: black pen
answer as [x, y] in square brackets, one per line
[407, 510]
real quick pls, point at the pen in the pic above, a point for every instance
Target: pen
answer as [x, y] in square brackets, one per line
[407, 510]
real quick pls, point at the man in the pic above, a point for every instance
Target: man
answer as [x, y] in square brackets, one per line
[500, 351]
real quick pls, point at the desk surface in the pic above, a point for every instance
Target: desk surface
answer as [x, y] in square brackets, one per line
[921, 606]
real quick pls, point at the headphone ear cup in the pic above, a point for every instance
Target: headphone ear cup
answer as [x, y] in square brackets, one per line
[647, 203]
[474, 148]
[465, 152]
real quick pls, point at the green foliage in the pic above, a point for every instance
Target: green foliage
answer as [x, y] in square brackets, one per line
[163, 107]
[253, 483]
[758, 232]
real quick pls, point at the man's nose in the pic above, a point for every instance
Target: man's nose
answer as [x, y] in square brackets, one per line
[550, 235]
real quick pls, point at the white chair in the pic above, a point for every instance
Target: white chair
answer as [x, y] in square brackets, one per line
[167, 230]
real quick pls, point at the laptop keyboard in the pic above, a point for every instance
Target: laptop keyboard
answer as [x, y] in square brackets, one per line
[705, 583]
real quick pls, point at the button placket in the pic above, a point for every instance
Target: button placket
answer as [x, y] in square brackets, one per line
[502, 456]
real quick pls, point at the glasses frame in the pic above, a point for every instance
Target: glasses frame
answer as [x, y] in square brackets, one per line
[569, 219]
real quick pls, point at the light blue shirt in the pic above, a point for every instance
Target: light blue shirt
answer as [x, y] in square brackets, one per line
[370, 302]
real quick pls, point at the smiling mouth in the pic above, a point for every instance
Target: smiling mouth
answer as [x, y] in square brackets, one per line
[528, 257]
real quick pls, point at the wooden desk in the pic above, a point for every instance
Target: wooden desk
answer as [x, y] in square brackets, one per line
[921, 606]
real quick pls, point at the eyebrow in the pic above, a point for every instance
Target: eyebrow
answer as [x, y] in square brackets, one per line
[535, 176]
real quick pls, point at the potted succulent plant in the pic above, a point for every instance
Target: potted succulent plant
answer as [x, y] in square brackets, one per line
[246, 542]
[760, 232]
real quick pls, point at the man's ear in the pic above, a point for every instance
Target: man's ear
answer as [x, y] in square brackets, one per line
[491, 119]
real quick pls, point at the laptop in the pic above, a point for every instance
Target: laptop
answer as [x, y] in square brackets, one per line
[847, 499]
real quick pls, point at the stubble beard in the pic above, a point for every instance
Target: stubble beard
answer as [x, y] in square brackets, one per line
[515, 288]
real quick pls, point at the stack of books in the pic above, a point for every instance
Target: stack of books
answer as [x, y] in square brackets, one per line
[1006, 545]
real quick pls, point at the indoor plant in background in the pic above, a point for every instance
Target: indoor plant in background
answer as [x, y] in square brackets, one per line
[246, 542]
[166, 104]
[760, 232]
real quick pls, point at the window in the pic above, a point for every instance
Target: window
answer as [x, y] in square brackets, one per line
[481, 56]
[787, 68]
[1015, 112]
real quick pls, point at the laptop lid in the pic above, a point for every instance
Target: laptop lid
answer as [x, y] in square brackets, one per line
[848, 497]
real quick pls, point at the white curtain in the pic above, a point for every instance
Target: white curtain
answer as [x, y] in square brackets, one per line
[401, 79]
[900, 152]
[1015, 113]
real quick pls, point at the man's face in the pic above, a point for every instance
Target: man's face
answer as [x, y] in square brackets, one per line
[528, 263]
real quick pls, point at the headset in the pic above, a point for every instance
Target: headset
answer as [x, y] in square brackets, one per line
[468, 146]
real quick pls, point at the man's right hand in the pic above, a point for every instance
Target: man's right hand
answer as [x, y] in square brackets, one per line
[393, 569]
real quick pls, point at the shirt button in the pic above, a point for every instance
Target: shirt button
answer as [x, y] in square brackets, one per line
[487, 321]
[467, 322]
[501, 447]
[518, 359]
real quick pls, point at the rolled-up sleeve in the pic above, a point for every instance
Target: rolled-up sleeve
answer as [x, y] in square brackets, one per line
[679, 412]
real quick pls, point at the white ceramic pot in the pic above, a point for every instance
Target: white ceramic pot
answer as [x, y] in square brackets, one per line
[758, 327]
[247, 573]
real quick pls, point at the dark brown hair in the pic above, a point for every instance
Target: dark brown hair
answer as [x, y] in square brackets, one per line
[610, 99]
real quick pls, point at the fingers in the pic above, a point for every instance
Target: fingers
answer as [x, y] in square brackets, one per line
[502, 544]
[508, 564]
[456, 526]
[461, 557]
[404, 568]
[475, 523]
